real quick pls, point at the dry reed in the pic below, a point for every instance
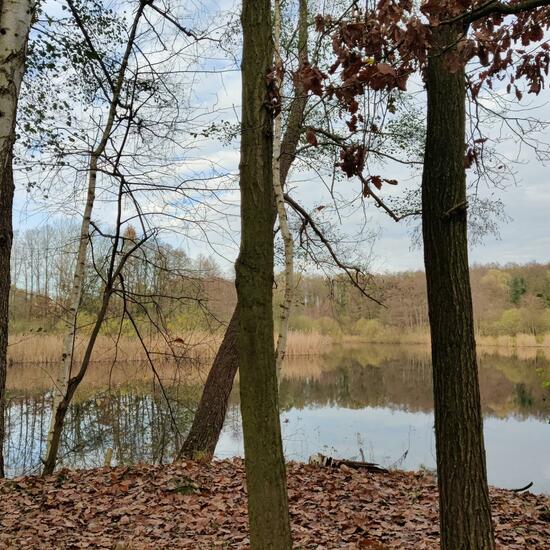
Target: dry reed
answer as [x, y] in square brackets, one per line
[505, 341]
[486, 341]
[526, 353]
[526, 340]
[193, 346]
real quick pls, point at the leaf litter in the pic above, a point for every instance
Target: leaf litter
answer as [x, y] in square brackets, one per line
[194, 505]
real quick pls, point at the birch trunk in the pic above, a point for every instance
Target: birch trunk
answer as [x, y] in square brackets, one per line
[280, 200]
[15, 21]
[63, 392]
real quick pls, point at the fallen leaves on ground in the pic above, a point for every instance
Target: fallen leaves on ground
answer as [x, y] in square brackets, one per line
[197, 506]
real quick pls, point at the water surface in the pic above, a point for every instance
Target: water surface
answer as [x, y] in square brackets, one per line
[371, 402]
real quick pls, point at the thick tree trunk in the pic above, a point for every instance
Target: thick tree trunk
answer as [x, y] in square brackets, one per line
[465, 515]
[264, 460]
[203, 437]
[15, 21]
[209, 418]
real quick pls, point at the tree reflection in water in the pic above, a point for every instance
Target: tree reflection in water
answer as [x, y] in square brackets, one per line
[134, 419]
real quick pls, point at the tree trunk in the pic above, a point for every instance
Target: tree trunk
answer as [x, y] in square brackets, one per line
[69, 340]
[465, 515]
[210, 416]
[64, 399]
[286, 235]
[226, 364]
[63, 392]
[6, 237]
[15, 21]
[264, 460]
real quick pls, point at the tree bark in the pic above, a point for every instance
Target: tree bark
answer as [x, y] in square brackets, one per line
[15, 21]
[288, 242]
[264, 460]
[465, 515]
[202, 438]
[210, 416]
[6, 238]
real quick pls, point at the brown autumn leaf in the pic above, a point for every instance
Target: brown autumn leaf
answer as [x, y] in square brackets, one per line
[385, 69]
[311, 137]
[330, 508]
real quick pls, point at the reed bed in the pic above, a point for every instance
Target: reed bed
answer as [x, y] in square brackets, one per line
[506, 341]
[40, 378]
[488, 341]
[189, 347]
[526, 353]
[196, 347]
[522, 346]
[306, 344]
[391, 336]
[526, 341]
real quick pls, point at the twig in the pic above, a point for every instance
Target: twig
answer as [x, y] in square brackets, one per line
[528, 486]
[348, 269]
[456, 209]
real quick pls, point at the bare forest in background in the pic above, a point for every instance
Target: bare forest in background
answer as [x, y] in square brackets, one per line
[195, 300]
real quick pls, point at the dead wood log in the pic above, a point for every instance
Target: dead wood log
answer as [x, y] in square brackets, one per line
[328, 461]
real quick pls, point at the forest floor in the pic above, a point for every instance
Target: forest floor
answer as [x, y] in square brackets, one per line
[197, 506]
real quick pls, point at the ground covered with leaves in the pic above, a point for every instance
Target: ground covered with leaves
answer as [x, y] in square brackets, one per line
[198, 506]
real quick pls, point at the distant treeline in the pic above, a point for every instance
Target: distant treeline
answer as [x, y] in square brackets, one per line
[160, 285]
[165, 286]
[508, 300]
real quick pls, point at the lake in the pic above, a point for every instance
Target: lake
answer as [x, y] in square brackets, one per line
[370, 401]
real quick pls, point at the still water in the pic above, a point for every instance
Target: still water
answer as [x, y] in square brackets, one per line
[373, 402]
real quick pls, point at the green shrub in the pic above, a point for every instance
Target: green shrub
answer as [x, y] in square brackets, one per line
[328, 326]
[302, 323]
[369, 328]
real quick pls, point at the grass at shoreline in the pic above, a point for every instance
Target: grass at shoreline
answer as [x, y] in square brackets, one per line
[423, 338]
[189, 347]
[197, 347]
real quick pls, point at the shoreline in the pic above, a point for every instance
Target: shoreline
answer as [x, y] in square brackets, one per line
[197, 348]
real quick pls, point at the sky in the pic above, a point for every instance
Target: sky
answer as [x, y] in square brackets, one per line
[524, 236]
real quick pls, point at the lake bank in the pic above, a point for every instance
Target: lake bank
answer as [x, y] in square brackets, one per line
[198, 506]
[188, 347]
[196, 347]
[519, 340]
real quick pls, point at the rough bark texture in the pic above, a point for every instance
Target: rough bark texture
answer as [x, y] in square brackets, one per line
[203, 437]
[264, 460]
[209, 418]
[15, 22]
[6, 238]
[465, 515]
